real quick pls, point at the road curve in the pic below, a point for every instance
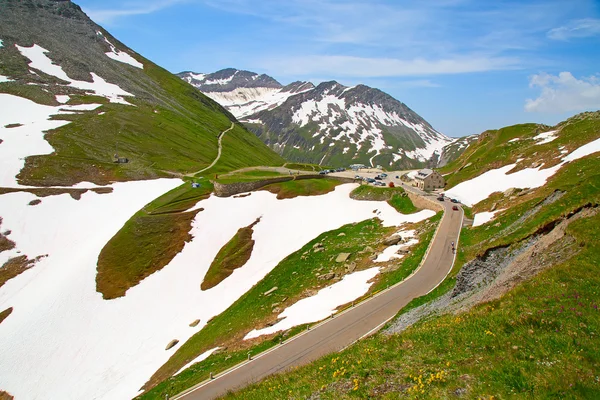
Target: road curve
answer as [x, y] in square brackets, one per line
[347, 327]
[218, 152]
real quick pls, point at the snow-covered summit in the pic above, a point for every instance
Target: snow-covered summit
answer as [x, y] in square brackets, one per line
[244, 93]
[328, 124]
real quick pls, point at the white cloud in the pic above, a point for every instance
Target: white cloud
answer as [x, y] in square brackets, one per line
[580, 28]
[109, 15]
[563, 93]
[350, 66]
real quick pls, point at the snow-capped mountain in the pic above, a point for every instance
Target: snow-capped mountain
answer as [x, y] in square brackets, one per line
[244, 93]
[330, 124]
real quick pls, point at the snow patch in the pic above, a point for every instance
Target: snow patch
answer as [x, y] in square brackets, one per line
[66, 335]
[198, 359]
[482, 218]
[499, 180]
[39, 60]
[62, 99]
[323, 304]
[546, 137]
[28, 139]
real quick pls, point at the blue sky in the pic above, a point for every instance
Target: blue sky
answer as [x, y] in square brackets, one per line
[464, 65]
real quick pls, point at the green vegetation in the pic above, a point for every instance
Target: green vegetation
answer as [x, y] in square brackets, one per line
[402, 204]
[172, 128]
[295, 277]
[232, 256]
[248, 176]
[149, 240]
[396, 197]
[306, 167]
[494, 148]
[537, 341]
[302, 187]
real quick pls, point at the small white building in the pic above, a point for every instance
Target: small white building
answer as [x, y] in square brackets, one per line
[427, 179]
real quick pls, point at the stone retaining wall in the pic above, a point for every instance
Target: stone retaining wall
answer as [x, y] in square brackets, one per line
[423, 202]
[230, 189]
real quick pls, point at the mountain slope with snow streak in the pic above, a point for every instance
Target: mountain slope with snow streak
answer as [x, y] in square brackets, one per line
[244, 93]
[52, 54]
[338, 125]
[329, 124]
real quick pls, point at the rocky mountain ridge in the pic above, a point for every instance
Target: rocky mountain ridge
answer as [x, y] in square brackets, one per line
[329, 124]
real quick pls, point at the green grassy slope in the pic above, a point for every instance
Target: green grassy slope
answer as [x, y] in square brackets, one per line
[295, 277]
[539, 340]
[171, 128]
[495, 149]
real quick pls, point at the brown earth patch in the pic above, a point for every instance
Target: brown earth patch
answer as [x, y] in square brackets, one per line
[44, 192]
[232, 256]
[5, 314]
[5, 396]
[144, 245]
[5, 243]
[16, 266]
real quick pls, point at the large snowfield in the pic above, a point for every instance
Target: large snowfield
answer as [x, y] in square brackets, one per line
[64, 341]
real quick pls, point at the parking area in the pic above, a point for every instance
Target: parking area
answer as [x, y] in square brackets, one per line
[371, 174]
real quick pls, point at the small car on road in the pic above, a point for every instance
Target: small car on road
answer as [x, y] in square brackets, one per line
[455, 208]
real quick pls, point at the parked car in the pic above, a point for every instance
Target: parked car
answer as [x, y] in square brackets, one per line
[441, 198]
[455, 208]
[379, 184]
[357, 177]
[322, 172]
[378, 178]
[383, 175]
[454, 201]
[371, 180]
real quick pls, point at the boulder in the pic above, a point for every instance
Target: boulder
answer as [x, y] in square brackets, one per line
[342, 234]
[172, 344]
[195, 323]
[268, 292]
[326, 277]
[317, 245]
[368, 249]
[342, 257]
[350, 267]
[392, 240]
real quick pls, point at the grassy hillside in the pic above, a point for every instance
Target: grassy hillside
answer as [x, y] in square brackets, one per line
[497, 148]
[296, 277]
[396, 197]
[170, 129]
[529, 330]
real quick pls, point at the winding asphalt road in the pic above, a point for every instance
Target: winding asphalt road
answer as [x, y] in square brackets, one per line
[347, 327]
